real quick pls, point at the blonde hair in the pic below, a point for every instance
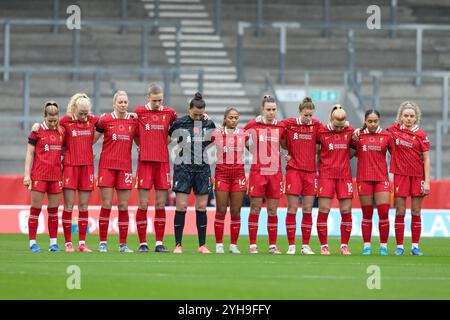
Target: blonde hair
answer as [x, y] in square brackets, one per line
[119, 93]
[405, 105]
[154, 89]
[51, 108]
[78, 100]
[337, 112]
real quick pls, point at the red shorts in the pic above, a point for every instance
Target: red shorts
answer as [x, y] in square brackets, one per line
[46, 186]
[368, 188]
[119, 179]
[300, 182]
[342, 187]
[230, 183]
[265, 185]
[151, 174]
[78, 177]
[408, 186]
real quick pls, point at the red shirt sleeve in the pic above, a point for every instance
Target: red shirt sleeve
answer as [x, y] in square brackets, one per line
[424, 143]
[250, 125]
[33, 138]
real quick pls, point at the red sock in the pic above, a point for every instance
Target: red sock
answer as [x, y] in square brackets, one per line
[291, 226]
[53, 222]
[383, 224]
[219, 224]
[272, 229]
[322, 227]
[83, 220]
[103, 222]
[399, 228]
[67, 225]
[141, 225]
[366, 224]
[253, 227]
[346, 227]
[306, 227]
[33, 221]
[123, 226]
[159, 224]
[416, 228]
[235, 228]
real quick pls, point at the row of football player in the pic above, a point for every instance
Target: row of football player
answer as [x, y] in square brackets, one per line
[153, 124]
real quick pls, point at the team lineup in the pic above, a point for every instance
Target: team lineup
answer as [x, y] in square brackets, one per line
[60, 159]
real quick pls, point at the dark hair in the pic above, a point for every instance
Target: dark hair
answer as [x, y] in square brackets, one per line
[197, 101]
[227, 112]
[267, 98]
[367, 114]
[307, 103]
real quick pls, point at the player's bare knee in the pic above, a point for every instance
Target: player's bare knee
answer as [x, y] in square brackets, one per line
[221, 210]
[159, 205]
[122, 206]
[83, 207]
[415, 211]
[235, 211]
[69, 207]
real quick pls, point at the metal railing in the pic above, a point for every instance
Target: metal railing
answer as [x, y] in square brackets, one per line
[145, 25]
[97, 73]
[350, 28]
[441, 128]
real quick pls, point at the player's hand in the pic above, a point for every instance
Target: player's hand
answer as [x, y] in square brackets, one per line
[426, 187]
[259, 119]
[347, 124]
[35, 127]
[27, 181]
[102, 115]
[305, 120]
[221, 129]
[206, 117]
[133, 115]
[288, 157]
[355, 135]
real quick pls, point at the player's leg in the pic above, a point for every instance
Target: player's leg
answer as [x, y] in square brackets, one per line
[123, 197]
[141, 218]
[83, 219]
[366, 194]
[416, 224]
[382, 201]
[236, 198]
[37, 198]
[307, 223]
[293, 203]
[272, 224]
[160, 219]
[69, 199]
[201, 201]
[400, 210]
[222, 198]
[253, 220]
[181, 201]
[345, 207]
[322, 225]
[53, 200]
[107, 194]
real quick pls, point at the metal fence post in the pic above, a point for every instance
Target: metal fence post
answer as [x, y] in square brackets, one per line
[445, 102]
[26, 100]
[177, 51]
[350, 57]
[123, 15]
[144, 51]
[200, 80]
[75, 52]
[6, 50]
[326, 18]
[438, 160]
[282, 77]
[419, 38]
[376, 91]
[97, 92]
[156, 16]
[240, 50]
[259, 17]
[218, 17]
[55, 28]
[167, 77]
[393, 16]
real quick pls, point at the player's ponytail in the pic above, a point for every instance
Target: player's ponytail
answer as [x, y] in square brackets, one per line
[51, 108]
[337, 112]
[197, 101]
[78, 100]
[267, 98]
[307, 103]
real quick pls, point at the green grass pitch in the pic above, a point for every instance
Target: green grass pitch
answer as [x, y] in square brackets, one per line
[114, 275]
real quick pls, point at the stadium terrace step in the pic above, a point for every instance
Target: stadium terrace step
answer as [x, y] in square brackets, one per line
[201, 61]
[186, 53]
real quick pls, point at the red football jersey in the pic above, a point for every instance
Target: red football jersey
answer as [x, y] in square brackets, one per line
[230, 149]
[371, 149]
[335, 152]
[117, 141]
[408, 148]
[47, 155]
[266, 144]
[78, 140]
[153, 132]
[301, 143]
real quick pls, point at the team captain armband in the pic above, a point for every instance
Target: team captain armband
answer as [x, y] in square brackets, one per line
[32, 141]
[101, 130]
